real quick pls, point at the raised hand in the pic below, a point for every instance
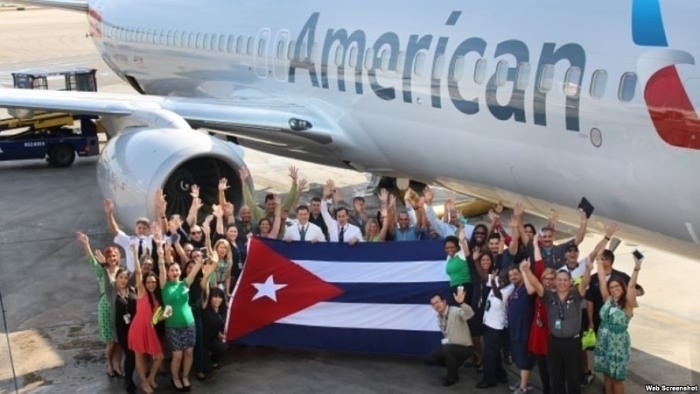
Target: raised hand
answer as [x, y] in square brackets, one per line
[589, 265]
[109, 207]
[518, 209]
[337, 196]
[525, 264]
[554, 219]
[428, 195]
[243, 172]
[99, 256]
[156, 231]
[161, 204]
[493, 216]
[462, 235]
[82, 238]
[476, 254]
[328, 188]
[385, 212]
[278, 202]
[392, 200]
[198, 204]
[208, 269]
[194, 191]
[583, 215]
[383, 196]
[459, 295]
[293, 173]
[303, 185]
[611, 229]
[217, 210]
[223, 184]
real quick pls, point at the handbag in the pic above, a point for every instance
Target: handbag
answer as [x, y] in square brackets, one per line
[589, 340]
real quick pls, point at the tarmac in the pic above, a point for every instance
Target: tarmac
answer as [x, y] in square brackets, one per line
[50, 293]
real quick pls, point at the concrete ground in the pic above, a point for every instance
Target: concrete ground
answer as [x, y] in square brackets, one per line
[50, 294]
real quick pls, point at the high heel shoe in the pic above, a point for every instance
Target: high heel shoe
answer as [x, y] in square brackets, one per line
[186, 387]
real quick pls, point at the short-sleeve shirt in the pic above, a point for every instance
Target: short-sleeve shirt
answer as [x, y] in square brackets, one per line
[495, 309]
[458, 270]
[554, 256]
[520, 313]
[126, 241]
[564, 317]
[177, 295]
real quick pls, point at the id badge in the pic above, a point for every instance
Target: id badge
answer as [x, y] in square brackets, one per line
[221, 286]
[557, 324]
[445, 341]
[127, 319]
[240, 266]
[539, 322]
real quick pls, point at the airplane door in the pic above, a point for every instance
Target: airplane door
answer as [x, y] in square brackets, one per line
[261, 52]
[279, 58]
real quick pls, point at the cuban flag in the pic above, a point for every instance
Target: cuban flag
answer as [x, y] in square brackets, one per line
[369, 297]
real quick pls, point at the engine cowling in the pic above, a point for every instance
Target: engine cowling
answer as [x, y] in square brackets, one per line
[137, 162]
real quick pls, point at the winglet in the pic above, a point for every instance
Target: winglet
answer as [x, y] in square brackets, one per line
[72, 5]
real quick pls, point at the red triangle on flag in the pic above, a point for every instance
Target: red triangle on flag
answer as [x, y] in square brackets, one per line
[272, 287]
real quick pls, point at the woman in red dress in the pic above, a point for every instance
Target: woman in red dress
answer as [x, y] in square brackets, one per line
[143, 339]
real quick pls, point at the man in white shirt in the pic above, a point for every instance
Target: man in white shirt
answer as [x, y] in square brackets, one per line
[142, 239]
[339, 229]
[303, 230]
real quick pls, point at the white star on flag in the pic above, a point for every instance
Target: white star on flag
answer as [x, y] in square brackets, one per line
[268, 289]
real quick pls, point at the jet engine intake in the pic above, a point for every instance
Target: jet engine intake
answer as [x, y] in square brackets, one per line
[138, 161]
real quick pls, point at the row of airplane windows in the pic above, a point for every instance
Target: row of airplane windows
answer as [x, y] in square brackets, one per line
[287, 49]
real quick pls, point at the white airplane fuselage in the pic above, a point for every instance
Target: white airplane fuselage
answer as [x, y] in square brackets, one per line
[535, 101]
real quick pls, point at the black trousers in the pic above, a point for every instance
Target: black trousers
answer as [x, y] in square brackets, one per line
[565, 365]
[493, 362]
[216, 350]
[129, 368]
[451, 356]
[544, 373]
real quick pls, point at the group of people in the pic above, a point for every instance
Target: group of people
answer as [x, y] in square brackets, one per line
[168, 301]
[534, 302]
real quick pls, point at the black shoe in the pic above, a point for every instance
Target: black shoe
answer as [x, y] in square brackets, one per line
[485, 385]
[450, 382]
[503, 379]
[508, 360]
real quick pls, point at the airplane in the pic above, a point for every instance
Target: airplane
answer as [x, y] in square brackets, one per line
[541, 102]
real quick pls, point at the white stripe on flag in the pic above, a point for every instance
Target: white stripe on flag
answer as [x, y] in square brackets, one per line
[367, 316]
[363, 272]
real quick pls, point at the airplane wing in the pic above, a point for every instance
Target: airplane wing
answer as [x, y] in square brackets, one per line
[72, 5]
[259, 118]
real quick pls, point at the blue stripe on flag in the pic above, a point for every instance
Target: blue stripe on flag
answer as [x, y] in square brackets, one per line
[366, 252]
[415, 343]
[390, 293]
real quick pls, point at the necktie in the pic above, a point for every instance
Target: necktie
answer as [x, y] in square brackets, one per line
[140, 248]
[302, 233]
[341, 234]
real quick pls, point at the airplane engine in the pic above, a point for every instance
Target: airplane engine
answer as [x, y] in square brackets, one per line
[135, 163]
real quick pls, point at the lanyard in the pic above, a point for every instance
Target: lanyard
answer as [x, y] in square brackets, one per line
[443, 326]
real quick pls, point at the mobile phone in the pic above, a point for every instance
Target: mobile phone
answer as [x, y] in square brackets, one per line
[586, 207]
[205, 252]
[638, 255]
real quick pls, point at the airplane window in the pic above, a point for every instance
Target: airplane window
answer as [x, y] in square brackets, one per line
[339, 52]
[206, 42]
[369, 58]
[230, 44]
[502, 73]
[352, 61]
[400, 60]
[290, 50]
[571, 80]
[249, 47]
[419, 64]
[598, 82]
[546, 78]
[178, 38]
[438, 65]
[192, 41]
[386, 57]
[163, 37]
[261, 47]
[280, 49]
[458, 69]
[480, 71]
[628, 85]
[171, 38]
[523, 76]
[222, 42]
[200, 41]
[239, 44]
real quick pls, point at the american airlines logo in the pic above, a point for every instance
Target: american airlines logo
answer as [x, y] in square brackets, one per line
[356, 46]
[669, 105]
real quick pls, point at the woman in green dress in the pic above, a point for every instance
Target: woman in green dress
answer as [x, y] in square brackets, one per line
[105, 268]
[457, 268]
[612, 349]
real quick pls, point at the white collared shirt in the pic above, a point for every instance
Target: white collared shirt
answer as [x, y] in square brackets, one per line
[351, 231]
[126, 241]
[313, 232]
